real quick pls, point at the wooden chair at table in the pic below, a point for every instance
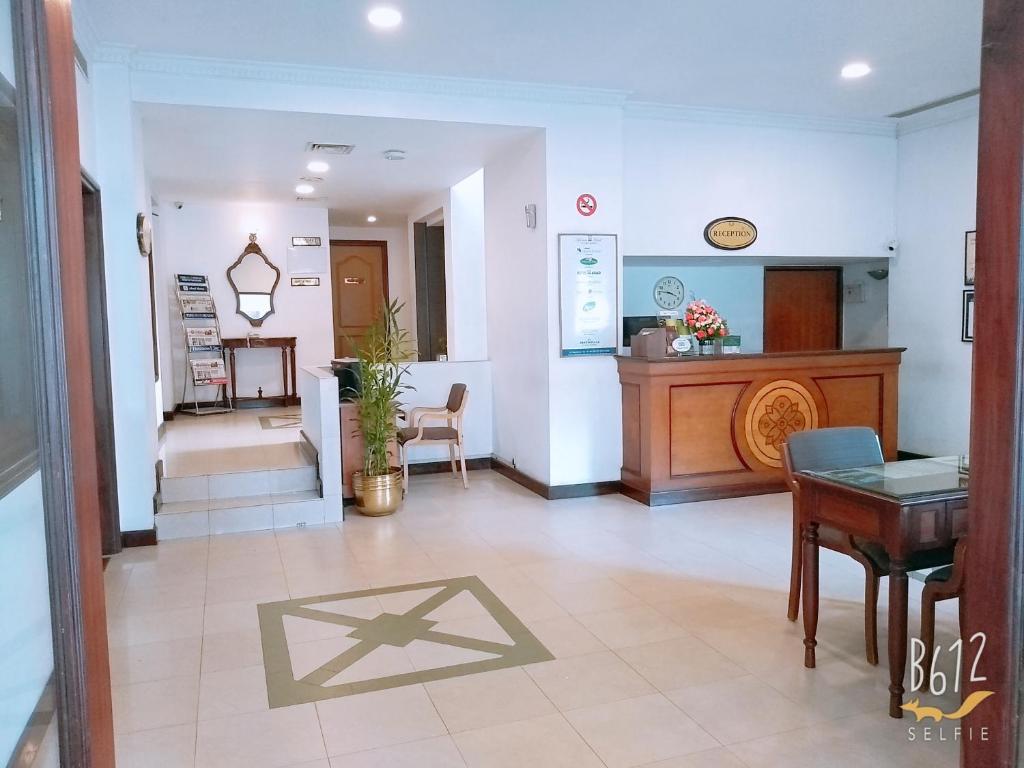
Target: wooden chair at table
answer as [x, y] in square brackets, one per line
[416, 434]
[842, 448]
[943, 583]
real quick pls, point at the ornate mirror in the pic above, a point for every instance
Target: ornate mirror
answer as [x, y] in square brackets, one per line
[254, 279]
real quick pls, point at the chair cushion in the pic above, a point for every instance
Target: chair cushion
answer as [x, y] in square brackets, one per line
[406, 434]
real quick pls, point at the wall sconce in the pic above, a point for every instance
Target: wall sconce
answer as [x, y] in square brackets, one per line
[879, 274]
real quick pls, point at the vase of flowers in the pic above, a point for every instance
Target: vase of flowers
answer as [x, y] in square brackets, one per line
[705, 325]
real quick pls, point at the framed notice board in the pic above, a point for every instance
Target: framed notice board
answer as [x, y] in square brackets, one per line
[588, 286]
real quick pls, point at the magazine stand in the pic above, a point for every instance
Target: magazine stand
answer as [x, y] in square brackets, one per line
[204, 349]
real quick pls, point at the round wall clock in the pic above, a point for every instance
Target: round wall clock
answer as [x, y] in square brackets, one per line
[668, 292]
[144, 235]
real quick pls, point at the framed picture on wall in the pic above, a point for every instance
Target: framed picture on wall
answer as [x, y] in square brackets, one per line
[968, 319]
[969, 238]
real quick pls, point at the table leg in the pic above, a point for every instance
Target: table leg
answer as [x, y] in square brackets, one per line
[284, 376]
[295, 390]
[810, 592]
[897, 634]
[234, 383]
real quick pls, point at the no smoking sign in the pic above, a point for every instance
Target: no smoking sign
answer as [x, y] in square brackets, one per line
[586, 205]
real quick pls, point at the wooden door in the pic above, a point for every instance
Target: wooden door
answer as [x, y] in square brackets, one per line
[359, 284]
[103, 409]
[803, 309]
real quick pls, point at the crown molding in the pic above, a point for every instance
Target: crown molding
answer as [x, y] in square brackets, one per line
[714, 116]
[237, 69]
[933, 118]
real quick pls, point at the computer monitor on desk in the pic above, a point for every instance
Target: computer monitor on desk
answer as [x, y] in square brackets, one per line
[634, 324]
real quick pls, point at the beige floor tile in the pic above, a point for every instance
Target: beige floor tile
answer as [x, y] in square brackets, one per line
[142, 706]
[170, 747]
[260, 588]
[167, 596]
[740, 709]
[545, 742]
[273, 739]
[702, 613]
[240, 616]
[378, 719]
[637, 731]
[634, 625]
[232, 692]
[679, 662]
[579, 597]
[490, 698]
[135, 628]
[564, 636]
[222, 566]
[232, 650]
[155, 661]
[580, 681]
[720, 757]
[430, 753]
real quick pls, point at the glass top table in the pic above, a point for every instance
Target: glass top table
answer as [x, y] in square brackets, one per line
[904, 480]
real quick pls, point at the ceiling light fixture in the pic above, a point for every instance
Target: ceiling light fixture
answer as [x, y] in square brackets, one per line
[854, 70]
[371, 219]
[394, 154]
[304, 189]
[318, 166]
[384, 17]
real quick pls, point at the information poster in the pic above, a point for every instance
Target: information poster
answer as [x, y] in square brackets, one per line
[588, 294]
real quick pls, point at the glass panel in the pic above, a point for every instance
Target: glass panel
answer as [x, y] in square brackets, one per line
[28, 727]
[903, 480]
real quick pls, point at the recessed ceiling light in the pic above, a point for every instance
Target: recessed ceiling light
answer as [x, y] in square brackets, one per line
[384, 17]
[371, 219]
[394, 154]
[304, 189]
[318, 166]
[855, 70]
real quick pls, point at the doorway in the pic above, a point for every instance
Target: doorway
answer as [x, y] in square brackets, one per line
[803, 309]
[431, 302]
[359, 287]
[99, 352]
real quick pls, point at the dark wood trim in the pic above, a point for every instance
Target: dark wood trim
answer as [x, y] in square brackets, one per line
[661, 498]
[442, 467]
[244, 403]
[385, 283]
[31, 739]
[44, 57]
[143, 538]
[551, 492]
[169, 415]
[993, 597]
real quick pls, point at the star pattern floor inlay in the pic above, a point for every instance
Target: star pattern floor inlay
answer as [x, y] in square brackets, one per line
[282, 623]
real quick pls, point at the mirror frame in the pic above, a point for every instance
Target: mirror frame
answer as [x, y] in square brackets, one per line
[253, 247]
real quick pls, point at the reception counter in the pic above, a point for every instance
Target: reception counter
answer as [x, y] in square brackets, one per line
[711, 427]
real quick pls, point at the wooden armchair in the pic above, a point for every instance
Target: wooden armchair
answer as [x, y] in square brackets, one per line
[451, 413]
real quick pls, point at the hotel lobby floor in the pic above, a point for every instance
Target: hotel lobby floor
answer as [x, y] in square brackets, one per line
[645, 637]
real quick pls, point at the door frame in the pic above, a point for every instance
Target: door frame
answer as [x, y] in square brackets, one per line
[110, 521]
[51, 168]
[837, 268]
[383, 244]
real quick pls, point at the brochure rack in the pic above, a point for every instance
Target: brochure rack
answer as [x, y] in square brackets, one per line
[204, 350]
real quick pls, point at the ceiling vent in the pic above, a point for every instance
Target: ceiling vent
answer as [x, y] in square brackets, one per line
[330, 149]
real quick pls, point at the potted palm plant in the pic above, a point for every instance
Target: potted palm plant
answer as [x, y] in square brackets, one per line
[378, 487]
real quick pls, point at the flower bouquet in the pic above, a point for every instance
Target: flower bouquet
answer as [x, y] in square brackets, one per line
[705, 324]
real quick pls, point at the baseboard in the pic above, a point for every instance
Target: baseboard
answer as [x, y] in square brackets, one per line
[661, 498]
[910, 456]
[243, 403]
[169, 415]
[145, 538]
[441, 467]
[555, 492]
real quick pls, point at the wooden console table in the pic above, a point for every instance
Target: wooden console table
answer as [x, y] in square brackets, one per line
[287, 345]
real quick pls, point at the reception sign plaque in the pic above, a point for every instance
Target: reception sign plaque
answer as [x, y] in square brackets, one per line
[730, 233]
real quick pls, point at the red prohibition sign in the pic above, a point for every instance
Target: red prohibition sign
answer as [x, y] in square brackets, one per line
[586, 205]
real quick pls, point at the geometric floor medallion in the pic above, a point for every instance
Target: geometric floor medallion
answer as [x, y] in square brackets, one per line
[317, 648]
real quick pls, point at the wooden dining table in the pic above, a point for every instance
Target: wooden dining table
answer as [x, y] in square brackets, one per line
[907, 507]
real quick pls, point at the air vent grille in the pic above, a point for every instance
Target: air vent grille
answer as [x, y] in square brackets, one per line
[330, 149]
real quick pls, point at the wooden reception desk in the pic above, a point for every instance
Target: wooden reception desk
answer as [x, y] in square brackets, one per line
[711, 427]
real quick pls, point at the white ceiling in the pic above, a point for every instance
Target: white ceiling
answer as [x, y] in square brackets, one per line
[207, 153]
[763, 55]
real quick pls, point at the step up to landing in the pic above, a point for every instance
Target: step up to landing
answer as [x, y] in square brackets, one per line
[205, 517]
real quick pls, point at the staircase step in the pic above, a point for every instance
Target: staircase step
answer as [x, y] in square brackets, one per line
[235, 484]
[205, 517]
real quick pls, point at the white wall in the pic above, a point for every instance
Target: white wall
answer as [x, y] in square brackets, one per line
[467, 282]
[938, 171]
[121, 177]
[516, 273]
[207, 238]
[736, 292]
[26, 643]
[810, 193]
[432, 381]
[399, 271]
[86, 122]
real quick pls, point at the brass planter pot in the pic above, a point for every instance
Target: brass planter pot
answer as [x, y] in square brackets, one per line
[379, 495]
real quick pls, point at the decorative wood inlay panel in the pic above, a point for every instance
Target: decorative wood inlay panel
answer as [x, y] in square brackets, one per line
[777, 410]
[701, 441]
[631, 427]
[853, 401]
